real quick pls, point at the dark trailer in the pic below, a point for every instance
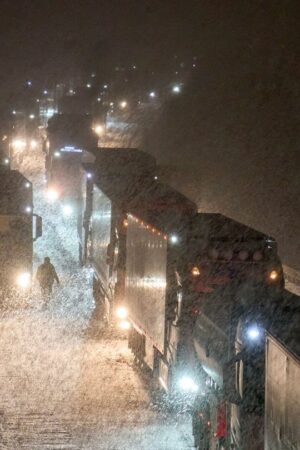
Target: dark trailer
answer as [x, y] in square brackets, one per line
[16, 231]
[108, 185]
[235, 280]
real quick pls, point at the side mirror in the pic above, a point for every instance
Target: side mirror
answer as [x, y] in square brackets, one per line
[230, 375]
[38, 227]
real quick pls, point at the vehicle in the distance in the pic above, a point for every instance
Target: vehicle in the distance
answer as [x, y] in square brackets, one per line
[69, 139]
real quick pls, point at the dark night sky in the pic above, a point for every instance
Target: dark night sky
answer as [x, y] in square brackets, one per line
[49, 38]
[243, 104]
[53, 36]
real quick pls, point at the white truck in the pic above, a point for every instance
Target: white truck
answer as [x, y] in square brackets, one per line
[282, 394]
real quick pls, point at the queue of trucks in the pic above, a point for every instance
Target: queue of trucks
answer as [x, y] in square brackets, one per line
[196, 291]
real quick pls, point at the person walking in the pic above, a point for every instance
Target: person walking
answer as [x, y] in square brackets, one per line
[46, 275]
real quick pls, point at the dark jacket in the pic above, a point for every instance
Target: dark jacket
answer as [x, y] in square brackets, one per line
[46, 274]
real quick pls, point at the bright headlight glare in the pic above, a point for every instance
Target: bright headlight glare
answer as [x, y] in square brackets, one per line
[33, 144]
[67, 210]
[125, 325]
[253, 332]
[99, 129]
[23, 280]
[122, 312]
[174, 239]
[52, 194]
[18, 144]
[187, 384]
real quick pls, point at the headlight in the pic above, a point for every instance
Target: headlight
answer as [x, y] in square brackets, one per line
[124, 325]
[18, 144]
[253, 332]
[121, 312]
[33, 144]
[187, 384]
[67, 210]
[23, 280]
[273, 275]
[174, 239]
[52, 194]
[99, 129]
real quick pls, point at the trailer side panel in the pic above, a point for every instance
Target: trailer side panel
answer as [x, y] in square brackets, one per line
[145, 290]
[101, 235]
[282, 409]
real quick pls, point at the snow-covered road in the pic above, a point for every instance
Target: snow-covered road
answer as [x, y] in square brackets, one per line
[66, 382]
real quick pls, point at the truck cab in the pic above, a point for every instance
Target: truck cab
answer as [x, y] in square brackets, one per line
[235, 280]
[19, 228]
[69, 139]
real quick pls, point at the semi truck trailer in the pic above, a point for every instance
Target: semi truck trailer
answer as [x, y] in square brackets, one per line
[157, 299]
[108, 185]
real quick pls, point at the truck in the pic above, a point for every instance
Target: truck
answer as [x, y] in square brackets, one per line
[282, 390]
[239, 294]
[70, 138]
[17, 221]
[193, 282]
[107, 186]
[158, 304]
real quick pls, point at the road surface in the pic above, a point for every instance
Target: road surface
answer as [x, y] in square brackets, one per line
[65, 381]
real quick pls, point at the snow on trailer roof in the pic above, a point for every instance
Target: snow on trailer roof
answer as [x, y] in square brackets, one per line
[163, 207]
[215, 226]
[121, 173]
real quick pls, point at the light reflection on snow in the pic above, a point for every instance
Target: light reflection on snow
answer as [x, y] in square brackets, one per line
[65, 381]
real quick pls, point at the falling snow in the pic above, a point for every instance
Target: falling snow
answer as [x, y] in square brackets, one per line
[66, 382]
